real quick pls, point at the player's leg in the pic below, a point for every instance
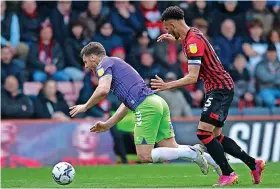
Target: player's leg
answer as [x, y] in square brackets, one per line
[214, 148]
[169, 149]
[148, 118]
[144, 152]
[230, 145]
[208, 158]
[232, 148]
[212, 116]
[148, 115]
[191, 152]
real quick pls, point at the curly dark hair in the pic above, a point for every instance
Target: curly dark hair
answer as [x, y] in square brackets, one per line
[173, 12]
[93, 48]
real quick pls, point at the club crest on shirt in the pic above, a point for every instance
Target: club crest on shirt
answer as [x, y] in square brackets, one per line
[193, 48]
[100, 72]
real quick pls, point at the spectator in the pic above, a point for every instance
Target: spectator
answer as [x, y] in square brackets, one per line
[11, 66]
[202, 25]
[10, 32]
[198, 9]
[124, 21]
[92, 18]
[15, 105]
[46, 57]
[149, 68]
[141, 45]
[46, 7]
[230, 11]
[276, 13]
[260, 11]
[151, 18]
[254, 46]
[61, 17]
[50, 103]
[227, 45]
[107, 38]
[244, 89]
[268, 77]
[74, 45]
[166, 52]
[178, 107]
[79, 6]
[274, 37]
[29, 21]
[119, 52]
[175, 67]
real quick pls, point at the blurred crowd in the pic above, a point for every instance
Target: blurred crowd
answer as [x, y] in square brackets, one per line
[41, 42]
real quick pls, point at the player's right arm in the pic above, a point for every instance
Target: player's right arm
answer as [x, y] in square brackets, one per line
[118, 116]
[167, 37]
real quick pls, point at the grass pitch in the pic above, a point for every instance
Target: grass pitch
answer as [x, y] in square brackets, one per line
[136, 176]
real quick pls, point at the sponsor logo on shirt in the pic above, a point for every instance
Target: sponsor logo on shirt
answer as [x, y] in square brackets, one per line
[100, 72]
[193, 48]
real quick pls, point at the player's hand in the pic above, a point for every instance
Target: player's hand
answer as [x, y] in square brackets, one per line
[77, 109]
[99, 127]
[167, 37]
[158, 84]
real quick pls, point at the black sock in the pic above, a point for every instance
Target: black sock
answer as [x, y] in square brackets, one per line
[233, 149]
[215, 149]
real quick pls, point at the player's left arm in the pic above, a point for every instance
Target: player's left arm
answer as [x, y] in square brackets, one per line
[195, 50]
[189, 79]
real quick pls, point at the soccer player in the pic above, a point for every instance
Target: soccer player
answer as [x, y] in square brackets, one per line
[203, 63]
[153, 123]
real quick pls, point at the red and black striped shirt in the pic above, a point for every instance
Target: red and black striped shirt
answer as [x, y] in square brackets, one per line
[200, 52]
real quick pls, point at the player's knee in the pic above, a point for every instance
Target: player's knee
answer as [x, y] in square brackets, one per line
[217, 131]
[145, 158]
[204, 136]
[170, 143]
[206, 126]
[220, 138]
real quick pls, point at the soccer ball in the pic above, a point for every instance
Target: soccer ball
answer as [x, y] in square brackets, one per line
[63, 173]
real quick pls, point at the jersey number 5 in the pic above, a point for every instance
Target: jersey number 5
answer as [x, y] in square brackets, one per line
[208, 102]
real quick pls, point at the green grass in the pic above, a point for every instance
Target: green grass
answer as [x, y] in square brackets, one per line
[133, 176]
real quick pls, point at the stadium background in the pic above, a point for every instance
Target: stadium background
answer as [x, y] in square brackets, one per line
[42, 40]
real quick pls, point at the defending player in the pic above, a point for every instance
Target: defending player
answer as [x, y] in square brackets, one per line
[203, 63]
[153, 123]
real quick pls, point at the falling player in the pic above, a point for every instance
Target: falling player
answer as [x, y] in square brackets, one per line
[203, 63]
[153, 123]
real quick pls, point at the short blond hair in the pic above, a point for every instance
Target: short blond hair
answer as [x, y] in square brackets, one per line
[93, 48]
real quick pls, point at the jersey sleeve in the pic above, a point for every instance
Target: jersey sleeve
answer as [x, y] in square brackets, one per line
[195, 50]
[105, 68]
